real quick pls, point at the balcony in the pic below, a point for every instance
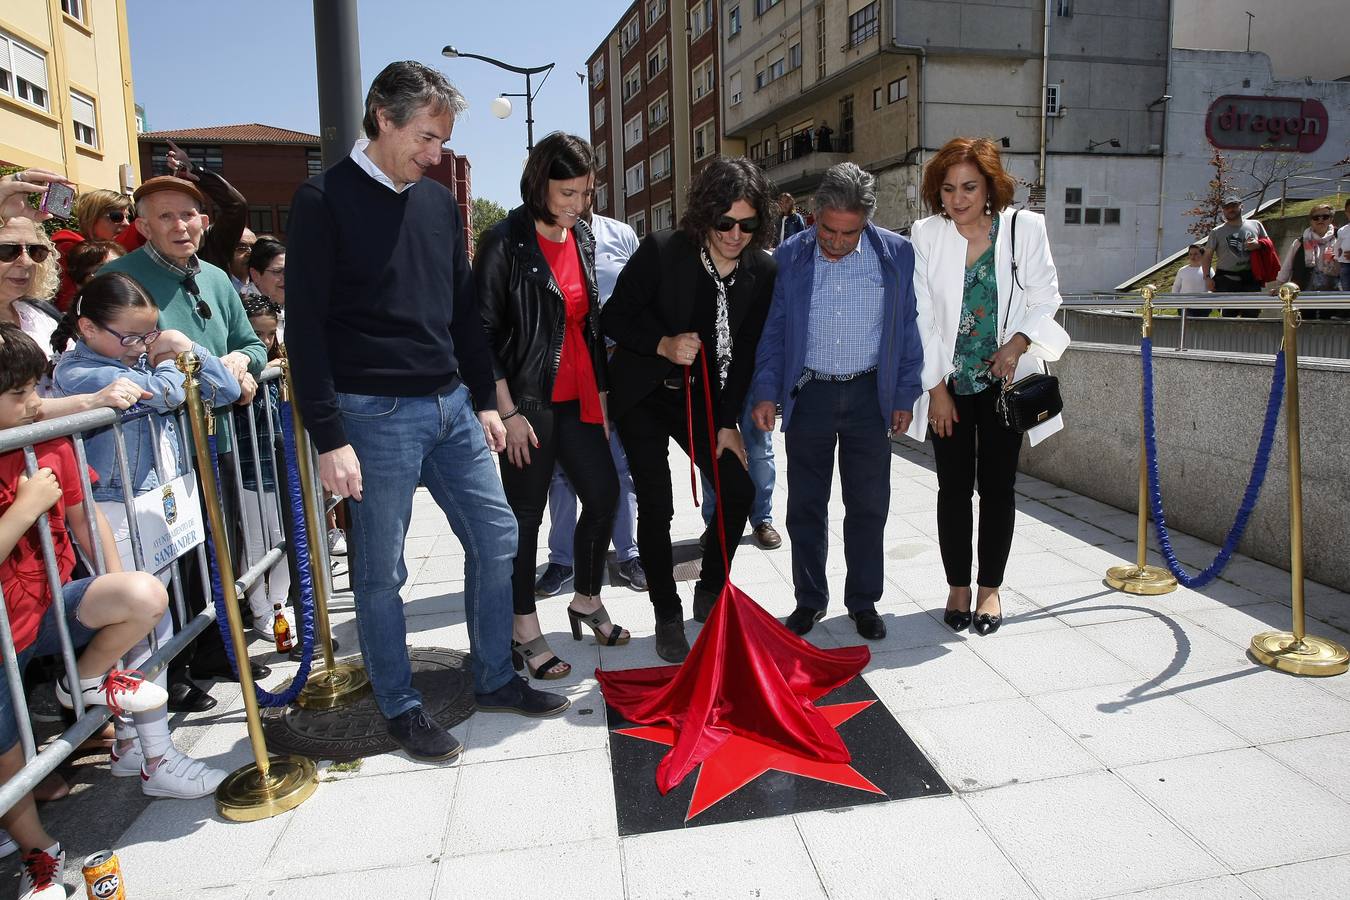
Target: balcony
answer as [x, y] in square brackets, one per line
[799, 165]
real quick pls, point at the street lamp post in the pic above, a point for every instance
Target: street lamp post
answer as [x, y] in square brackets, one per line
[450, 52]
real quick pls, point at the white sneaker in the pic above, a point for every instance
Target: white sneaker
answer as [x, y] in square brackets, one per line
[119, 691]
[7, 845]
[40, 875]
[337, 542]
[129, 763]
[181, 777]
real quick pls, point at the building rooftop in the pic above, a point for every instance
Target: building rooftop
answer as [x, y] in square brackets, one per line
[251, 133]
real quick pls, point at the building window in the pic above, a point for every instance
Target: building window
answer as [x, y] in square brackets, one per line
[601, 197]
[663, 216]
[1092, 216]
[734, 86]
[862, 24]
[598, 72]
[820, 40]
[700, 19]
[656, 61]
[638, 222]
[1073, 215]
[704, 78]
[74, 9]
[655, 10]
[704, 140]
[876, 98]
[629, 36]
[314, 161]
[86, 122]
[658, 113]
[206, 157]
[1052, 107]
[844, 144]
[23, 72]
[794, 59]
[598, 113]
[776, 70]
[1064, 9]
[601, 155]
[897, 90]
[1073, 196]
[634, 179]
[660, 161]
[763, 6]
[632, 83]
[632, 131]
[1110, 216]
[759, 80]
[734, 21]
[260, 219]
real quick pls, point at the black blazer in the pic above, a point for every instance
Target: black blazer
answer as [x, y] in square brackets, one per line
[655, 297]
[524, 313]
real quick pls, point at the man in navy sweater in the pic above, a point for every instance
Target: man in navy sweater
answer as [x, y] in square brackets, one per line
[393, 376]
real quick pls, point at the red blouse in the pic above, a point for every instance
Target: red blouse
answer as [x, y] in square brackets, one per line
[576, 374]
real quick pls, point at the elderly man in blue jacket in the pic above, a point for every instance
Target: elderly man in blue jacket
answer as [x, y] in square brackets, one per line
[841, 352]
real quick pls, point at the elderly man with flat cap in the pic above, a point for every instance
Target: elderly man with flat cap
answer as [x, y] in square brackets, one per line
[196, 298]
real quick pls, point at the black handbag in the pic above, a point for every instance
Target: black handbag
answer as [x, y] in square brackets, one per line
[1032, 400]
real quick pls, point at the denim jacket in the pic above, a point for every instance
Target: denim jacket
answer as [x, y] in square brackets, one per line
[82, 371]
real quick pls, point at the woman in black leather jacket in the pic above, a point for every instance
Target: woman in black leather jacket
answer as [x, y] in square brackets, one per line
[535, 274]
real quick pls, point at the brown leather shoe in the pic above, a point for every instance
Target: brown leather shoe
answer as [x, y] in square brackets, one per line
[768, 536]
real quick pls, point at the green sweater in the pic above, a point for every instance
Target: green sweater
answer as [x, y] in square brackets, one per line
[225, 332]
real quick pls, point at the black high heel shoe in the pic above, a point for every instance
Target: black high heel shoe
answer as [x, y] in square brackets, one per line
[988, 623]
[957, 619]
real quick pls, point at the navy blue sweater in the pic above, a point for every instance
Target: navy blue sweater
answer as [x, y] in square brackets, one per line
[379, 297]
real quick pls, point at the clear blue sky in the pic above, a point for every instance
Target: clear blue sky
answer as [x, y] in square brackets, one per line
[200, 64]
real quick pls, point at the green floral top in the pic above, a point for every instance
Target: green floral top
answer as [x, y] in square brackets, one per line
[977, 333]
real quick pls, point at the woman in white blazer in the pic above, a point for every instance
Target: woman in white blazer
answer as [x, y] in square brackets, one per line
[985, 320]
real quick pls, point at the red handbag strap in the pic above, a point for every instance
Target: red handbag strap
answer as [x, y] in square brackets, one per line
[712, 450]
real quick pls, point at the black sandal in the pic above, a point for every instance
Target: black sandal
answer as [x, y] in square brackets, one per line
[551, 669]
[617, 637]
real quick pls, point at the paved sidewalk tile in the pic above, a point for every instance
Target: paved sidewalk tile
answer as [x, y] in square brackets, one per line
[1050, 660]
[1324, 760]
[932, 847]
[392, 881]
[934, 676]
[765, 859]
[984, 745]
[1164, 648]
[590, 869]
[1264, 706]
[1246, 808]
[1226, 888]
[1087, 836]
[1320, 879]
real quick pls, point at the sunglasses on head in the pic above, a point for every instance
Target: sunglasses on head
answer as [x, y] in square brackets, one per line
[726, 223]
[38, 253]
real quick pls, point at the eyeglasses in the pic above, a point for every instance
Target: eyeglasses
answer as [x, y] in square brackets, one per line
[726, 223]
[38, 253]
[1321, 217]
[243, 248]
[131, 340]
[275, 270]
[117, 216]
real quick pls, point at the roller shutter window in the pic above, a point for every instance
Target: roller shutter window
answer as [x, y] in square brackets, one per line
[86, 123]
[30, 75]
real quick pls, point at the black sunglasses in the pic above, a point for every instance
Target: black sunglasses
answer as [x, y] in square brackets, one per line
[1321, 217]
[726, 223]
[117, 216]
[38, 253]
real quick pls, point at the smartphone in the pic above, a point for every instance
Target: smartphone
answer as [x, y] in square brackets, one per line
[58, 200]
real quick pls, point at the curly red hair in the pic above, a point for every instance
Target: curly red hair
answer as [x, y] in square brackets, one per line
[981, 153]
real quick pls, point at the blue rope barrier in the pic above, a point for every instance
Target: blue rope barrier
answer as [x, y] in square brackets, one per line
[1249, 497]
[299, 538]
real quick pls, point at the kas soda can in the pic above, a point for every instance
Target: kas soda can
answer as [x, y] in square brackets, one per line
[103, 877]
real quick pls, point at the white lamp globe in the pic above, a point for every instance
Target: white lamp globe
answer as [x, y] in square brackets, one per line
[501, 107]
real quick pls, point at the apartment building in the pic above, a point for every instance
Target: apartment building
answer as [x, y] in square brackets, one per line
[66, 99]
[655, 111]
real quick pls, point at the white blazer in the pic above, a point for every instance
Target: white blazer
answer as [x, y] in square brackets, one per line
[939, 282]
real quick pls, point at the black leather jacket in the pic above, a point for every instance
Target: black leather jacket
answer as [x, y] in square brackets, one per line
[524, 313]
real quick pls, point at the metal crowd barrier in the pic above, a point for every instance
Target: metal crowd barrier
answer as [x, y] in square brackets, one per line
[1293, 651]
[335, 685]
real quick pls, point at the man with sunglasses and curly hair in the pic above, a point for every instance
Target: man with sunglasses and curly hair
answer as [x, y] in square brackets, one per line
[703, 287]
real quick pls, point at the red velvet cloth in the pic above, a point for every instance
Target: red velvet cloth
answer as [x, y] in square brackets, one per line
[746, 675]
[576, 373]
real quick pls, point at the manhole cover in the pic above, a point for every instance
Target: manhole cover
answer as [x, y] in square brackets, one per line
[350, 732]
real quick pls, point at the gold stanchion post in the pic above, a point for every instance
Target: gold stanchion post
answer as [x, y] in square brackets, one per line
[269, 785]
[1295, 651]
[1141, 578]
[337, 683]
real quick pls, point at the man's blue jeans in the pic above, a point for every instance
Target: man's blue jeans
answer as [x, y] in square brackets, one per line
[759, 453]
[562, 510]
[438, 441]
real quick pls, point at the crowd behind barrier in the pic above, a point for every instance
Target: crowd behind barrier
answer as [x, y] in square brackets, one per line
[259, 559]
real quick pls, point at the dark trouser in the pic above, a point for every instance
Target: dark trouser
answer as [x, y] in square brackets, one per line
[583, 452]
[646, 431]
[980, 448]
[1243, 282]
[847, 413]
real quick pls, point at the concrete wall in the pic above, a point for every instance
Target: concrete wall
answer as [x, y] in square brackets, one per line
[1209, 414]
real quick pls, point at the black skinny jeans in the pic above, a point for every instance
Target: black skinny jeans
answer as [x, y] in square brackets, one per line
[583, 452]
[979, 450]
[646, 431]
